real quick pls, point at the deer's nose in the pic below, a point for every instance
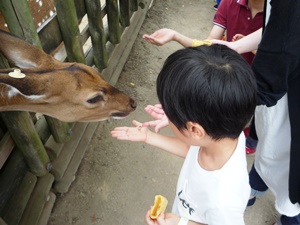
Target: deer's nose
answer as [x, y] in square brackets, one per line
[133, 104]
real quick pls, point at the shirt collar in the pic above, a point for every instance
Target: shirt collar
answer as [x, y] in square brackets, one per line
[243, 2]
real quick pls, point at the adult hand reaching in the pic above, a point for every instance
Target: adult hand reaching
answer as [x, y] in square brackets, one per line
[160, 37]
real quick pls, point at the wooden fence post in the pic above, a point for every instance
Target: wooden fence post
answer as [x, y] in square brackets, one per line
[133, 5]
[124, 13]
[11, 176]
[21, 24]
[142, 4]
[80, 8]
[113, 21]
[67, 19]
[22, 130]
[96, 29]
[60, 131]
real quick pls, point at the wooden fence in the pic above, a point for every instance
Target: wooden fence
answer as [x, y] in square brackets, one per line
[39, 155]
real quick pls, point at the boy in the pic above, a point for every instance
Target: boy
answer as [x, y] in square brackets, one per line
[209, 95]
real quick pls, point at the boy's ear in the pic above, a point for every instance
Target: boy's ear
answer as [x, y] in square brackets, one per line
[195, 130]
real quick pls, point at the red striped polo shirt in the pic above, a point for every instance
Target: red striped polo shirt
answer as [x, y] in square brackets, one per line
[235, 17]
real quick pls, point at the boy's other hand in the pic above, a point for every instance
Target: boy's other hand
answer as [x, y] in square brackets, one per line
[159, 115]
[163, 219]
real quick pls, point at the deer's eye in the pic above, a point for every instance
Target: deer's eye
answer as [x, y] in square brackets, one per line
[96, 99]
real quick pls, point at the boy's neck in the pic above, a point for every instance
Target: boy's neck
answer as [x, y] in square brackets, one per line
[215, 154]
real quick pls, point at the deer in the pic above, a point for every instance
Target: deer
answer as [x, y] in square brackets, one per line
[68, 91]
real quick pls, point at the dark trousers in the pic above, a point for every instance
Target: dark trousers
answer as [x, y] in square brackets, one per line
[251, 141]
[258, 184]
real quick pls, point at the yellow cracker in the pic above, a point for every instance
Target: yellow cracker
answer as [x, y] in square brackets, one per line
[160, 205]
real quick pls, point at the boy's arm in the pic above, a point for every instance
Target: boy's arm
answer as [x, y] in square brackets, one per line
[143, 134]
[169, 144]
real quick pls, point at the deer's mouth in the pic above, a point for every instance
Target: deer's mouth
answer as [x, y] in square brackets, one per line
[119, 115]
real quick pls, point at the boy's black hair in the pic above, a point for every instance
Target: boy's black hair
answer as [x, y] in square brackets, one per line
[209, 85]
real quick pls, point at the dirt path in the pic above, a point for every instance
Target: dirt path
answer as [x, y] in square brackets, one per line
[117, 181]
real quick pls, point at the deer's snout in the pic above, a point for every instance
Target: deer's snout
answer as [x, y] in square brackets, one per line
[133, 104]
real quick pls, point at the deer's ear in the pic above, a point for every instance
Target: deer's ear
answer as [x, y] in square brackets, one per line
[22, 54]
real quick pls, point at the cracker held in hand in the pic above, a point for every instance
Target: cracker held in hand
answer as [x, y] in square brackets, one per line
[160, 205]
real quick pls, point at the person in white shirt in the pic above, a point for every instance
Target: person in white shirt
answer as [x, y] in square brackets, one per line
[277, 70]
[208, 94]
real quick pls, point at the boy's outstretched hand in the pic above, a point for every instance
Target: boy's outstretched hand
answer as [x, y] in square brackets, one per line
[137, 133]
[159, 115]
[163, 219]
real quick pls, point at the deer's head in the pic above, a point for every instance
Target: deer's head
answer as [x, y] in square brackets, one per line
[67, 91]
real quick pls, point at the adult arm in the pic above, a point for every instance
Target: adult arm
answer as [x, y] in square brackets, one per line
[246, 44]
[165, 35]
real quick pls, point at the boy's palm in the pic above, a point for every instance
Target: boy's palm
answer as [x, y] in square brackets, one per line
[137, 133]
